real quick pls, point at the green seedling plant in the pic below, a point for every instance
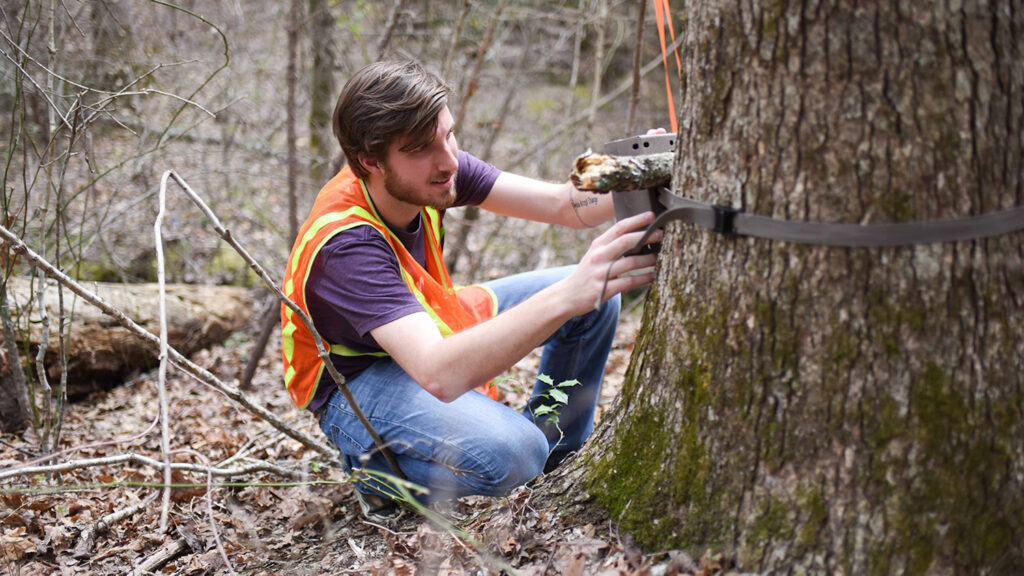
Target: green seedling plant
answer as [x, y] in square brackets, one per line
[555, 399]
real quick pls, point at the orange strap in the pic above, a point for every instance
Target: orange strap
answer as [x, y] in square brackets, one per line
[663, 14]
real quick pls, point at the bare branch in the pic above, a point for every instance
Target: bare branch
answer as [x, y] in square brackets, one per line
[456, 36]
[389, 28]
[165, 426]
[253, 467]
[162, 556]
[469, 88]
[638, 55]
[84, 546]
[339, 380]
[603, 173]
[39, 88]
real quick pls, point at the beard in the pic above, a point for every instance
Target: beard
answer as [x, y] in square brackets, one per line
[411, 193]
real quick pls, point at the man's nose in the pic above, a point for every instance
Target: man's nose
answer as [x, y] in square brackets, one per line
[448, 160]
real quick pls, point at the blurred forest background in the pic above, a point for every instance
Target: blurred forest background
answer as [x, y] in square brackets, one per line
[101, 97]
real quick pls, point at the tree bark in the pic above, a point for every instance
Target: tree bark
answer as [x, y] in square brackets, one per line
[836, 410]
[15, 411]
[101, 353]
[321, 92]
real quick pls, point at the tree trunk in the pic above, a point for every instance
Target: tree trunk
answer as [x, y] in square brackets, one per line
[838, 410]
[14, 403]
[322, 93]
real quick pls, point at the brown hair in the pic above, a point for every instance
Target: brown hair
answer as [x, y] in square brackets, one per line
[382, 102]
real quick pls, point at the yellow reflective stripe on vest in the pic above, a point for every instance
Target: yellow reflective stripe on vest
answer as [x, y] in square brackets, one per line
[286, 333]
[347, 352]
[324, 220]
[434, 223]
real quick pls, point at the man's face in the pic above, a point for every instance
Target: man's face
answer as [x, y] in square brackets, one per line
[424, 176]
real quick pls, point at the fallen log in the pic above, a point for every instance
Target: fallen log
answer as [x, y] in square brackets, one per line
[101, 352]
[603, 173]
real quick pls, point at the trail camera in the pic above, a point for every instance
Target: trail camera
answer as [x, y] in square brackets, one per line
[629, 202]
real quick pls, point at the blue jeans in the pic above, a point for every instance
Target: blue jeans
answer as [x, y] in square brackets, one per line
[474, 445]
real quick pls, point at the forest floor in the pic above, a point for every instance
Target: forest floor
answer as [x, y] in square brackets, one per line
[265, 523]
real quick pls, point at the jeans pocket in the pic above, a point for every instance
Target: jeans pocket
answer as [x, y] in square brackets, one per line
[344, 430]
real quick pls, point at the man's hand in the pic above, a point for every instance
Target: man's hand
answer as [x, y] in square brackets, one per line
[602, 274]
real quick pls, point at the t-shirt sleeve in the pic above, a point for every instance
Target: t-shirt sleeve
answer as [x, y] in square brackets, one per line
[356, 279]
[475, 179]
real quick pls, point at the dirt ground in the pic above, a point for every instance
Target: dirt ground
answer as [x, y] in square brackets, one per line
[105, 519]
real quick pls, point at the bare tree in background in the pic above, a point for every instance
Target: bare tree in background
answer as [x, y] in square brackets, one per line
[322, 91]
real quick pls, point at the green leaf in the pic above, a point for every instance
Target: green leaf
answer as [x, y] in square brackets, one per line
[546, 379]
[542, 410]
[559, 396]
[569, 383]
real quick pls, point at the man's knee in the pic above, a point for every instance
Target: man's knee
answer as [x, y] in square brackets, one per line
[516, 459]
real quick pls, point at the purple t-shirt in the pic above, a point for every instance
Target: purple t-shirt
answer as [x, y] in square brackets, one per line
[355, 283]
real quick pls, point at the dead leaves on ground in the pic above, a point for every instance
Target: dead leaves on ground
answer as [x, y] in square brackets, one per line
[270, 530]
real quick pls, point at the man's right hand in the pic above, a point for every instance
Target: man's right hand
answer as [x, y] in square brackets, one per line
[602, 273]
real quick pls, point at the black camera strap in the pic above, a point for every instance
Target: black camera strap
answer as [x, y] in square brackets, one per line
[730, 221]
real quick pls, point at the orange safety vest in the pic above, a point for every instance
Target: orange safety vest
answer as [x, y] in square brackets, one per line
[342, 204]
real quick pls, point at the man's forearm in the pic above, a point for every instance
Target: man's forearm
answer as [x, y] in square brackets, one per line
[560, 204]
[449, 367]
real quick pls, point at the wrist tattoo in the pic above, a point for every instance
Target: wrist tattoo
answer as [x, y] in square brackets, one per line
[577, 204]
[583, 202]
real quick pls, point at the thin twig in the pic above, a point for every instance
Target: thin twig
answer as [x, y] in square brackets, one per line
[131, 458]
[40, 90]
[56, 426]
[85, 541]
[38, 460]
[209, 510]
[19, 448]
[339, 380]
[251, 446]
[227, 60]
[165, 427]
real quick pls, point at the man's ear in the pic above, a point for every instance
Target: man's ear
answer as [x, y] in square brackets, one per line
[371, 164]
